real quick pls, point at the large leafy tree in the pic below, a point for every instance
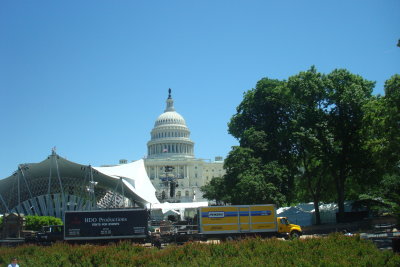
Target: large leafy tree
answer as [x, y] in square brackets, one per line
[249, 181]
[259, 170]
[263, 119]
[383, 121]
[382, 134]
[325, 131]
[311, 137]
[382, 126]
[347, 94]
[392, 122]
[262, 123]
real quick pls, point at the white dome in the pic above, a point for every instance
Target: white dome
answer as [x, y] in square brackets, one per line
[170, 117]
[170, 136]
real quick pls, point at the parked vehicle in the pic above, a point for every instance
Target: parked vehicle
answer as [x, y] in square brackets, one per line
[215, 222]
[230, 222]
[116, 224]
[233, 221]
[50, 234]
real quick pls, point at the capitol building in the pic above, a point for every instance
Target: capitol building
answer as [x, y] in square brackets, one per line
[169, 173]
[171, 165]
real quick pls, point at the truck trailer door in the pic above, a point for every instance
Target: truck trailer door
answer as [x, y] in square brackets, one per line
[263, 218]
[219, 219]
[244, 219]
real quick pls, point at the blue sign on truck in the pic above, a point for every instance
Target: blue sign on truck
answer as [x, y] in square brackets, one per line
[106, 224]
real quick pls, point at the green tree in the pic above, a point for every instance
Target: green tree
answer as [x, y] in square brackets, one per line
[390, 191]
[381, 127]
[382, 134]
[327, 131]
[311, 135]
[375, 143]
[249, 181]
[392, 122]
[215, 189]
[263, 118]
[392, 179]
[347, 93]
[35, 222]
[262, 124]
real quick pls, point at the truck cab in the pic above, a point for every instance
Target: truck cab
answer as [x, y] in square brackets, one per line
[288, 229]
[51, 233]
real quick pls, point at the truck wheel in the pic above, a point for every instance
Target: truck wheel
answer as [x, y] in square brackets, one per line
[157, 244]
[295, 234]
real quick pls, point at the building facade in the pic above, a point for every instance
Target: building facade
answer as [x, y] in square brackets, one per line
[171, 164]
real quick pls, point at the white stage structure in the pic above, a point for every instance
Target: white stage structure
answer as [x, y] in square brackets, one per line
[56, 185]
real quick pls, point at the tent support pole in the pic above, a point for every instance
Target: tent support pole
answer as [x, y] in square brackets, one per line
[27, 186]
[4, 203]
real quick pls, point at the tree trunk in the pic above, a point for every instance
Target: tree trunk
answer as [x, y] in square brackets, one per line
[317, 214]
[340, 179]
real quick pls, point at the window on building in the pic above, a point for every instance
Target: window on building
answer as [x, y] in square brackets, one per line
[186, 193]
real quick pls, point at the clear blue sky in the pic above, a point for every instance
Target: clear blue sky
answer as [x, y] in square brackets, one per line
[91, 77]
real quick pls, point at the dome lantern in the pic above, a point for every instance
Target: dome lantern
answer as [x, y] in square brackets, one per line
[170, 102]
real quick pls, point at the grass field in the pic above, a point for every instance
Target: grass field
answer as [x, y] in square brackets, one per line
[335, 250]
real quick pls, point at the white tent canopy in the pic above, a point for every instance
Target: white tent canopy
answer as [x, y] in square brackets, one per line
[176, 208]
[304, 213]
[296, 215]
[134, 176]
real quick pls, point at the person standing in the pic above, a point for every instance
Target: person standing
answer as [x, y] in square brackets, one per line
[14, 263]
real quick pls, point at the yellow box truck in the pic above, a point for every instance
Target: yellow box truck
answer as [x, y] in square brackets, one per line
[228, 222]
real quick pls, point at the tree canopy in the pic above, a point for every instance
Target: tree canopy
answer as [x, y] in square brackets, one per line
[313, 137]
